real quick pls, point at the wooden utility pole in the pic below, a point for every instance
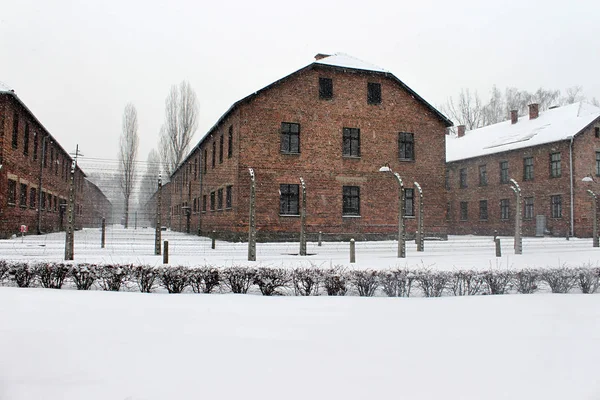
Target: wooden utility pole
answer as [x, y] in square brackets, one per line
[70, 234]
[252, 218]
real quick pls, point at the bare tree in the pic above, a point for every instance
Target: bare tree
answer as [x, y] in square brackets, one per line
[181, 121]
[127, 155]
[149, 182]
[467, 110]
[494, 111]
[573, 95]
[595, 102]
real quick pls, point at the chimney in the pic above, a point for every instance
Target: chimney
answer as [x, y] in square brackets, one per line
[461, 130]
[534, 110]
[321, 56]
[514, 116]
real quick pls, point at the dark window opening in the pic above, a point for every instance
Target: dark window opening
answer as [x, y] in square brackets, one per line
[556, 203]
[325, 88]
[406, 145]
[464, 211]
[214, 154]
[221, 149]
[220, 199]
[26, 140]
[409, 202]
[288, 200]
[290, 137]
[483, 181]
[351, 142]
[212, 201]
[15, 135]
[555, 171]
[351, 200]
[528, 168]
[463, 177]
[483, 210]
[504, 172]
[230, 142]
[32, 197]
[228, 196]
[23, 195]
[504, 209]
[373, 93]
[528, 209]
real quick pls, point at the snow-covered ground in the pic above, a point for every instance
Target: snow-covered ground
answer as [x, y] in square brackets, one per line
[68, 345]
[459, 252]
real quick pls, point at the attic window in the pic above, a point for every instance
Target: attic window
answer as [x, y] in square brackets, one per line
[325, 88]
[597, 132]
[373, 93]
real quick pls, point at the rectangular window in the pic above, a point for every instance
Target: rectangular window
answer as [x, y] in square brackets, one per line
[598, 163]
[26, 140]
[32, 197]
[528, 209]
[35, 145]
[504, 172]
[230, 142]
[288, 200]
[220, 199]
[44, 154]
[55, 204]
[406, 145]
[554, 165]
[464, 211]
[373, 93]
[228, 196]
[483, 210]
[221, 139]
[528, 168]
[12, 192]
[351, 200]
[597, 132]
[205, 161]
[409, 202]
[43, 205]
[556, 204]
[214, 154]
[15, 134]
[504, 209]
[196, 168]
[290, 137]
[204, 203]
[463, 177]
[351, 142]
[23, 195]
[212, 201]
[483, 175]
[325, 88]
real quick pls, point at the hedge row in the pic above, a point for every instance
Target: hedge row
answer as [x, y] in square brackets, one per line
[314, 281]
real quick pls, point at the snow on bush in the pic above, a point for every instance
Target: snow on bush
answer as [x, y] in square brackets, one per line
[466, 283]
[432, 283]
[588, 278]
[526, 281]
[396, 282]
[3, 271]
[560, 280]
[145, 277]
[174, 279]
[204, 279]
[497, 281]
[269, 280]
[21, 273]
[112, 278]
[335, 280]
[365, 282]
[239, 279]
[51, 276]
[83, 275]
[307, 281]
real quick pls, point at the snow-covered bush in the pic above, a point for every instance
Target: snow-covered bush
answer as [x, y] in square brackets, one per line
[269, 280]
[111, 278]
[335, 280]
[526, 281]
[396, 282]
[83, 275]
[204, 279]
[3, 270]
[238, 279]
[465, 283]
[145, 276]
[560, 280]
[307, 281]
[497, 281]
[51, 275]
[22, 274]
[174, 279]
[432, 283]
[365, 282]
[588, 278]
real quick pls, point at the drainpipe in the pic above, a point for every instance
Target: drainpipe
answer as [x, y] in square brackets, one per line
[571, 178]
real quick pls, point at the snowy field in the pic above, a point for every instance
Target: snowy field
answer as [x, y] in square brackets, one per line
[459, 252]
[71, 345]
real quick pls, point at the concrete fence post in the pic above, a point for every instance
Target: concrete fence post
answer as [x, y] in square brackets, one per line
[352, 251]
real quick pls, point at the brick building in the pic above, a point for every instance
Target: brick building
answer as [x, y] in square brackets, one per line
[333, 123]
[34, 172]
[548, 153]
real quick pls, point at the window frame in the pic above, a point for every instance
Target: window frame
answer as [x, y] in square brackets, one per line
[221, 144]
[464, 211]
[351, 142]
[556, 206]
[504, 172]
[325, 88]
[228, 197]
[483, 181]
[406, 146]
[504, 209]
[462, 179]
[15, 133]
[286, 134]
[351, 201]
[597, 163]
[204, 203]
[373, 93]
[555, 165]
[220, 199]
[483, 210]
[288, 198]
[32, 197]
[230, 142]
[409, 202]
[26, 140]
[214, 154]
[212, 201]
[528, 207]
[528, 169]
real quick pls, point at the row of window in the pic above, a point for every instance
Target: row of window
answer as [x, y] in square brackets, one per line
[504, 209]
[290, 141]
[555, 171]
[54, 155]
[221, 149]
[326, 90]
[29, 197]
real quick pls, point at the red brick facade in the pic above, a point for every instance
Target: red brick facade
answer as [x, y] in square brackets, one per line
[249, 136]
[28, 155]
[538, 191]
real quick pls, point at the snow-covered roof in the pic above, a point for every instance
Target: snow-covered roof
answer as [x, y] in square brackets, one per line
[346, 61]
[553, 125]
[5, 88]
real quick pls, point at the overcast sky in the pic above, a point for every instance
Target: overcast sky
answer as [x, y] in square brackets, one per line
[76, 64]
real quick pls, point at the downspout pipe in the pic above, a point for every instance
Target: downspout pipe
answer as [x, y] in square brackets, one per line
[571, 208]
